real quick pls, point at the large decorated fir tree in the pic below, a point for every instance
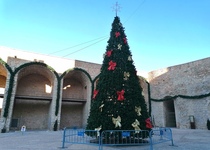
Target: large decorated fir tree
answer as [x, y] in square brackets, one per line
[117, 101]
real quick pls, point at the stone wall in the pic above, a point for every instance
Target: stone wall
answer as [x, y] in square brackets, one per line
[188, 79]
[144, 85]
[2, 81]
[71, 115]
[92, 68]
[75, 90]
[31, 83]
[33, 114]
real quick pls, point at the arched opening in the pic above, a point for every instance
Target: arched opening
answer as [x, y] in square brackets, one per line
[73, 99]
[169, 111]
[3, 75]
[33, 98]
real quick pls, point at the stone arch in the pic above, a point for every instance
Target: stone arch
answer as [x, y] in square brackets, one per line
[76, 90]
[6, 71]
[33, 98]
[95, 81]
[145, 92]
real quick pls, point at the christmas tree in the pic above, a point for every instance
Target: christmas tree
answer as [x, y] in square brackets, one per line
[117, 101]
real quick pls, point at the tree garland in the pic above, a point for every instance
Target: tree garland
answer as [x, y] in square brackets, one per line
[149, 97]
[167, 98]
[58, 93]
[8, 98]
[85, 72]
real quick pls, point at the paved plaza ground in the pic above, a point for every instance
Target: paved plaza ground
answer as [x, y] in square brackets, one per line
[189, 139]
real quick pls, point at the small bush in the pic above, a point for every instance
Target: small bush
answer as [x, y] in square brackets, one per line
[208, 124]
[3, 130]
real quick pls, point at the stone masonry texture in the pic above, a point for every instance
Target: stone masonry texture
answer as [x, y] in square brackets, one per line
[35, 90]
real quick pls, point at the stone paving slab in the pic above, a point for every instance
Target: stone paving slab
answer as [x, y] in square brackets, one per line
[188, 139]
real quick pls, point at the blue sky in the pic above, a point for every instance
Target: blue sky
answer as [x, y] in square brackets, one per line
[160, 33]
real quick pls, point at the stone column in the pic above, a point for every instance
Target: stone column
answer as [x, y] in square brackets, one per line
[52, 115]
[86, 108]
[5, 122]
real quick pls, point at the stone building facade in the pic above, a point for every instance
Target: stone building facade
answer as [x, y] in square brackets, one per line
[181, 92]
[50, 93]
[43, 92]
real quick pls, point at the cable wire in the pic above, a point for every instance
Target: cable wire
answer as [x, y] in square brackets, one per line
[142, 3]
[85, 47]
[104, 37]
[76, 45]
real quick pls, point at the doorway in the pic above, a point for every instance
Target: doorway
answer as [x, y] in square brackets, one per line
[169, 111]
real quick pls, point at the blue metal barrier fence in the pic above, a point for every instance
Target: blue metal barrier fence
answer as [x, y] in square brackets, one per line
[81, 136]
[160, 135]
[117, 137]
[124, 137]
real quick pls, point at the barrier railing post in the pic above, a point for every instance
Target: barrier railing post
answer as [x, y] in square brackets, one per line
[161, 133]
[64, 137]
[99, 141]
[172, 142]
[150, 138]
[124, 138]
